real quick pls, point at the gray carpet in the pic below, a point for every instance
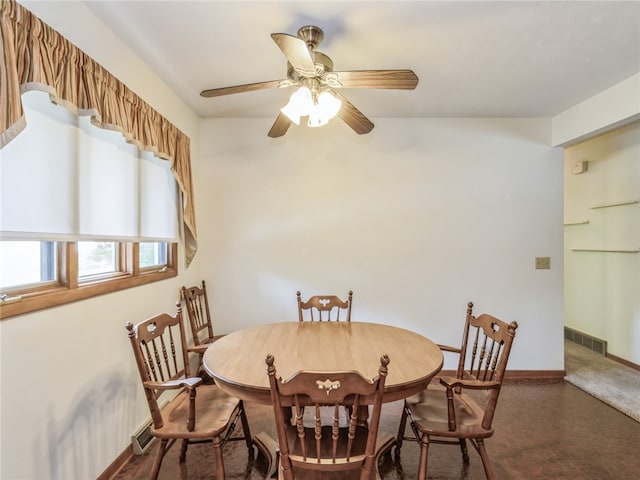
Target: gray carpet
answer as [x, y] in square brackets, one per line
[607, 380]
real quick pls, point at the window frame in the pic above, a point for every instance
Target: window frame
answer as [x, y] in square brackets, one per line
[70, 289]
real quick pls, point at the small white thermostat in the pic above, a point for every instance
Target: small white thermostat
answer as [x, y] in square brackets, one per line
[579, 167]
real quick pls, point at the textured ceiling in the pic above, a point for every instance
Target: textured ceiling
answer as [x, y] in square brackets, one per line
[476, 58]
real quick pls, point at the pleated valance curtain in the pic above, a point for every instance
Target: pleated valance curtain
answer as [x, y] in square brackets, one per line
[36, 57]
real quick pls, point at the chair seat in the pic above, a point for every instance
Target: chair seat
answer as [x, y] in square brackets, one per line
[209, 421]
[204, 344]
[429, 411]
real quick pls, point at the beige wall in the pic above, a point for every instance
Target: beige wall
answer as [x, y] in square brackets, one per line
[602, 290]
[417, 218]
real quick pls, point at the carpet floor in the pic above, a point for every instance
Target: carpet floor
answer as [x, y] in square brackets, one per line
[607, 380]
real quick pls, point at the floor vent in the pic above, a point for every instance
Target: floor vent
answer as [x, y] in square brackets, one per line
[592, 343]
[142, 439]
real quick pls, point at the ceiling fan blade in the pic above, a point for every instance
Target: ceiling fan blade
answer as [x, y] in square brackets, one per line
[280, 126]
[396, 79]
[249, 87]
[297, 53]
[352, 116]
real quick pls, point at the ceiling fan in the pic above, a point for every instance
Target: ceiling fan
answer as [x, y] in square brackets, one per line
[312, 72]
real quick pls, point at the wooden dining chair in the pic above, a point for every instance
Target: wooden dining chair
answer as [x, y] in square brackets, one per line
[327, 444]
[197, 303]
[198, 413]
[450, 413]
[324, 307]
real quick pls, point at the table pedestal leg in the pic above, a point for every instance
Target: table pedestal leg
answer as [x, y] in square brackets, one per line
[384, 443]
[268, 447]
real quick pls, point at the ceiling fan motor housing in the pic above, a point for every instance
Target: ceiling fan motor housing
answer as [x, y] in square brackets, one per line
[312, 35]
[323, 65]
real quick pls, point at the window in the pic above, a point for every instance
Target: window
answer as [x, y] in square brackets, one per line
[26, 264]
[82, 212]
[36, 275]
[153, 254]
[97, 258]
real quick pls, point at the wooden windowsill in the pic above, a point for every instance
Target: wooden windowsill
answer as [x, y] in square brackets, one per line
[61, 295]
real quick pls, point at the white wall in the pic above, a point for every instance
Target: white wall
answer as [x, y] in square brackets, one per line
[417, 218]
[70, 395]
[602, 290]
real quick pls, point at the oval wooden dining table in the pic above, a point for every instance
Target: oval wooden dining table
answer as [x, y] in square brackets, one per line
[236, 361]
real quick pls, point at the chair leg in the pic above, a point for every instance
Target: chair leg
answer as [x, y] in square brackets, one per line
[463, 450]
[162, 447]
[401, 430]
[246, 430]
[424, 455]
[183, 450]
[488, 471]
[285, 469]
[217, 448]
[368, 470]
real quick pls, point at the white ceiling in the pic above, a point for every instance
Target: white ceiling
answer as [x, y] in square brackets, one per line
[474, 58]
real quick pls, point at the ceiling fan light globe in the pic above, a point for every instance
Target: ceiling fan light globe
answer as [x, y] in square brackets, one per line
[323, 111]
[291, 112]
[300, 103]
[329, 104]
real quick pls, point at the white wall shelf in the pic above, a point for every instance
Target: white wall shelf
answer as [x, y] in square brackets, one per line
[616, 204]
[606, 250]
[583, 222]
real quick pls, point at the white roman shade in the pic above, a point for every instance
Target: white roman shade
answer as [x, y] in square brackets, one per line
[64, 179]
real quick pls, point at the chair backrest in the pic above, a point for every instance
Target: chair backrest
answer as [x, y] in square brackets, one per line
[197, 303]
[326, 445]
[160, 350]
[324, 307]
[486, 345]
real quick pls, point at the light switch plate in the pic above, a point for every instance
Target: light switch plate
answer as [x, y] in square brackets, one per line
[543, 263]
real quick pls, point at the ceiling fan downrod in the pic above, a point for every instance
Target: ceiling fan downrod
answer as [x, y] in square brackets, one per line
[312, 35]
